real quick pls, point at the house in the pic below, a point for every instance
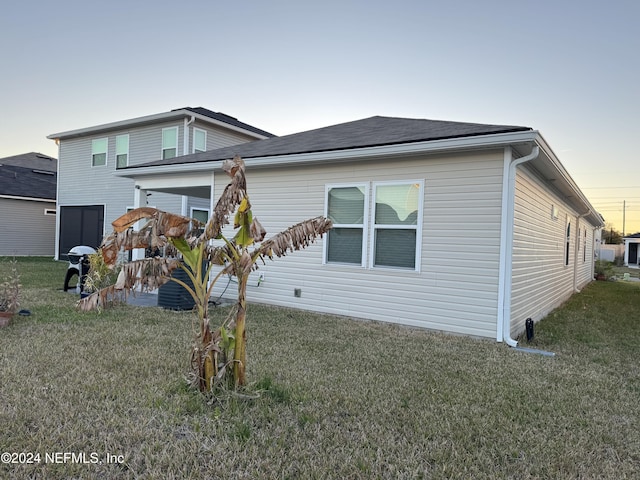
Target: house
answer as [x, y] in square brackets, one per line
[27, 204]
[631, 258]
[90, 196]
[461, 227]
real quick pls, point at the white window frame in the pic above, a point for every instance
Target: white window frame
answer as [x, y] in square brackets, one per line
[121, 152]
[195, 135]
[162, 145]
[95, 151]
[199, 209]
[364, 226]
[417, 227]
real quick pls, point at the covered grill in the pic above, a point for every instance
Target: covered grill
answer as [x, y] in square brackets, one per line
[78, 265]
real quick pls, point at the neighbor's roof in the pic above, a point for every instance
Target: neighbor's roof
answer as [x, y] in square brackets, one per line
[27, 182]
[32, 160]
[369, 132]
[635, 235]
[202, 114]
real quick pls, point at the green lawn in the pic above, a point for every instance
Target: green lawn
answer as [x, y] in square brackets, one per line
[338, 398]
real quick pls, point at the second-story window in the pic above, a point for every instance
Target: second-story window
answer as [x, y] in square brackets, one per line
[122, 151]
[99, 152]
[169, 142]
[199, 140]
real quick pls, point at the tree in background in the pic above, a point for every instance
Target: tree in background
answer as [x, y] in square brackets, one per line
[610, 235]
[218, 355]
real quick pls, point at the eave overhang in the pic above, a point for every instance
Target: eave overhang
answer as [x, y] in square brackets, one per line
[149, 120]
[547, 164]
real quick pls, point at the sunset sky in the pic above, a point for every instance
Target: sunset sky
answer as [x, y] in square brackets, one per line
[570, 69]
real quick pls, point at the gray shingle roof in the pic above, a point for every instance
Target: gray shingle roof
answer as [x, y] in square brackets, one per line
[223, 117]
[369, 132]
[27, 182]
[31, 175]
[32, 160]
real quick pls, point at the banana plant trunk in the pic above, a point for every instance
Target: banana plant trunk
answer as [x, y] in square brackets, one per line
[207, 364]
[240, 352]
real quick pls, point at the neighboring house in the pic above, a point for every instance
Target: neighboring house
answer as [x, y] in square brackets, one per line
[631, 257]
[90, 197]
[460, 227]
[27, 204]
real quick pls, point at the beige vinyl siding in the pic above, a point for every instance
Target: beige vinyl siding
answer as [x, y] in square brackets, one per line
[541, 280]
[26, 230]
[456, 288]
[585, 255]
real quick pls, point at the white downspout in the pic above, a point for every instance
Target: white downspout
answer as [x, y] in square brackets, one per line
[185, 151]
[57, 240]
[185, 143]
[139, 200]
[506, 243]
[576, 254]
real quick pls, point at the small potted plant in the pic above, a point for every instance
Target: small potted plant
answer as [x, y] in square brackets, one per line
[9, 293]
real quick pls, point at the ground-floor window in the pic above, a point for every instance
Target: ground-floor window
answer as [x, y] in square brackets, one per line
[388, 236]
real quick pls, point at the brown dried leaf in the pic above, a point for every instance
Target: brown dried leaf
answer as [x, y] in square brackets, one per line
[257, 231]
[128, 219]
[231, 197]
[295, 237]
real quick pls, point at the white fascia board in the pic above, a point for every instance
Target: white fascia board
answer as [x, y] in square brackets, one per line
[136, 172]
[354, 154]
[570, 182]
[184, 180]
[29, 199]
[222, 124]
[117, 125]
[159, 117]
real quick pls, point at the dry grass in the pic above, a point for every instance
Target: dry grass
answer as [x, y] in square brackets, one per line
[338, 398]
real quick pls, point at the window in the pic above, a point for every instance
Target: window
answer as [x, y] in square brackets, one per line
[392, 231]
[346, 208]
[169, 142]
[199, 140]
[200, 215]
[49, 211]
[99, 152]
[395, 225]
[122, 151]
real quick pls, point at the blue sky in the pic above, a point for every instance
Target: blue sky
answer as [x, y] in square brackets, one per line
[570, 69]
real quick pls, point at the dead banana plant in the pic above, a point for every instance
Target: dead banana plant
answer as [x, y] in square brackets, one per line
[218, 355]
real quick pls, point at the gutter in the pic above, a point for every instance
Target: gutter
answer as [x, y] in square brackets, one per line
[503, 330]
[146, 120]
[29, 199]
[352, 154]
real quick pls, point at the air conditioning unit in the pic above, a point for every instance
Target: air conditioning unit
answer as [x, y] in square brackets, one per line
[174, 296]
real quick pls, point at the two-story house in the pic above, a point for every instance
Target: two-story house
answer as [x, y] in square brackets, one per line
[90, 196]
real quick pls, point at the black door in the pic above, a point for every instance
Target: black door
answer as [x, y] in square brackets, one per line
[633, 253]
[80, 226]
